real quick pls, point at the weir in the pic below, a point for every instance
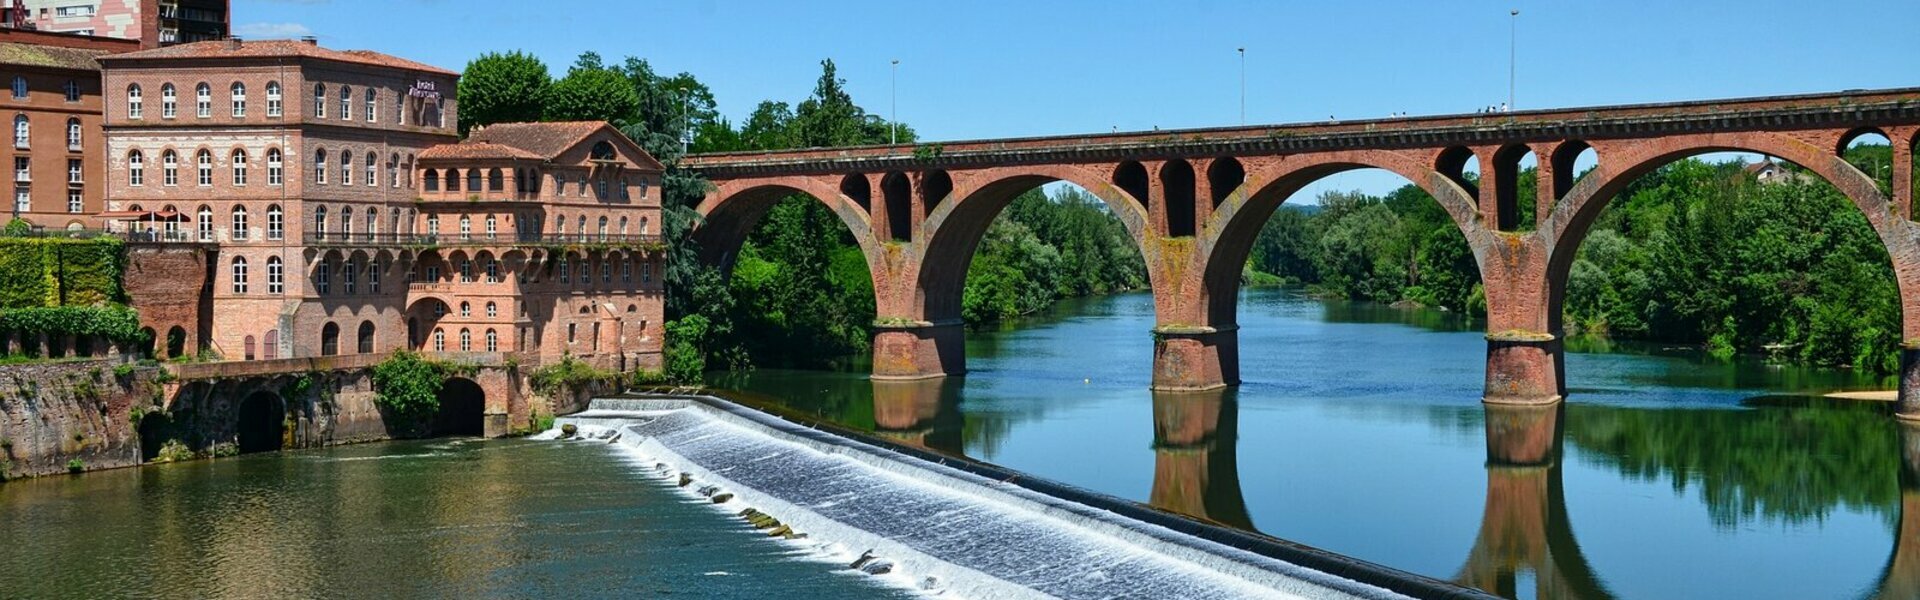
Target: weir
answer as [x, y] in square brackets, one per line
[965, 528]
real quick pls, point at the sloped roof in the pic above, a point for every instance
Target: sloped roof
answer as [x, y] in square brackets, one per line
[278, 49]
[548, 140]
[54, 57]
[471, 150]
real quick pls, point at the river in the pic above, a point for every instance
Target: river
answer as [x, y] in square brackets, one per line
[1359, 429]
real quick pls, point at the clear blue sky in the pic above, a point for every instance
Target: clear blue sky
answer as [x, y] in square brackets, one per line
[1003, 69]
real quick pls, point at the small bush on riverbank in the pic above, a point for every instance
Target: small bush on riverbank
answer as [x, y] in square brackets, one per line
[407, 386]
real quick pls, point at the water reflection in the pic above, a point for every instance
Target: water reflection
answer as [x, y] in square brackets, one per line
[1194, 471]
[924, 413]
[1902, 579]
[1524, 532]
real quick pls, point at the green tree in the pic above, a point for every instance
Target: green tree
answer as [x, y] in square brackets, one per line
[591, 91]
[503, 88]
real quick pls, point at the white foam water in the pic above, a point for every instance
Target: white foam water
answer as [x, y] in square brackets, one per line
[925, 526]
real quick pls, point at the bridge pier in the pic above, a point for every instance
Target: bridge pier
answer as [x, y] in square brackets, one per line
[919, 349]
[1907, 408]
[1189, 359]
[1523, 368]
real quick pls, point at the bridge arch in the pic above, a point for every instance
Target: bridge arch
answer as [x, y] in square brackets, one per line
[732, 210]
[463, 408]
[261, 425]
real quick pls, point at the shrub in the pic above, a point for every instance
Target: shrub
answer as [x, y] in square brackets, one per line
[76, 465]
[173, 451]
[567, 375]
[407, 385]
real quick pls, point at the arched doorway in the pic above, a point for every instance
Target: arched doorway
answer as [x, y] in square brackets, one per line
[176, 342]
[463, 407]
[262, 423]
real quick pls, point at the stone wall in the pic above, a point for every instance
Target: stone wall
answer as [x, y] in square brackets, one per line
[54, 413]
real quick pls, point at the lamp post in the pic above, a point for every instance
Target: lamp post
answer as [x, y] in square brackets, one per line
[1513, 39]
[1243, 84]
[893, 122]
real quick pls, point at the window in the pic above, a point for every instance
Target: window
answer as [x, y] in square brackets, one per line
[493, 341]
[453, 180]
[346, 102]
[239, 275]
[346, 222]
[73, 134]
[466, 341]
[366, 337]
[493, 310]
[320, 101]
[643, 225]
[393, 171]
[78, 10]
[623, 226]
[466, 276]
[249, 347]
[275, 174]
[606, 272]
[433, 276]
[496, 181]
[75, 201]
[136, 168]
[169, 168]
[203, 161]
[22, 169]
[320, 221]
[72, 88]
[603, 228]
[372, 112]
[320, 277]
[74, 171]
[22, 137]
[134, 109]
[348, 273]
[169, 102]
[330, 340]
[466, 309]
[276, 276]
[493, 271]
[276, 222]
[563, 270]
[626, 272]
[466, 227]
[490, 227]
[439, 340]
[646, 272]
[22, 199]
[271, 345]
[433, 224]
[239, 222]
[203, 100]
[239, 167]
[346, 167]
[239, 99]
[19, 87]
[373, 276]
[273, 99]
[320, 166]
[430, 180]
[205, 222]
[473, 180]
[572, 330]
[373, 170]
[373, 223]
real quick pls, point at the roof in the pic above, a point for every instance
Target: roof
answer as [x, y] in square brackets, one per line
[1760, 166]
[472, 150]
[548, 140]
[54, 57]
[277, 49]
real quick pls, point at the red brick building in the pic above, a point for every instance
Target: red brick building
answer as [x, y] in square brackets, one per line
[151, 22]
[53, 101]
[348, 218]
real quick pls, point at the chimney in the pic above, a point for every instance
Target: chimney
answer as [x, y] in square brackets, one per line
[310, 40]
[233, 43]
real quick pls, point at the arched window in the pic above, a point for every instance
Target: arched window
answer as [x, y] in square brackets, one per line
[239, 159]
[276, 222]
[204, 223]
[643, 225]
[19, 87]
[73, 134]
[373, 170]
[239, 99]
[346, 167]
[430, 180]
[466, 227]
[366, 337]
[320, 221]
[373, 113]
[169, 101]
[239, 222]
[466, 340]
[493, 310]
[346, 222]
[273, 99]
[623, 226]
[496, 181]
[203, 100]
[249, 346]
[203, 161]
[466, 308]
[329, 339]
[239, 275]
[393, 171]
[320, 166]
[346, 102]
[270, 345]
[493, 341]
[439, 340]
[22, 132]
[453, 180]
[320, 101]
[491, 227]
[473, 180]
[169, 168]
[276, 276]
[276, 175]
[603, 228]
[136, 168]
[134, 109]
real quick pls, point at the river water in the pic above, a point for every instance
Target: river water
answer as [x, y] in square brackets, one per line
[1359, 429]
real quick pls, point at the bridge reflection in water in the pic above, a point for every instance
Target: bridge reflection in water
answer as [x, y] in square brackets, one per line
[1526, 545]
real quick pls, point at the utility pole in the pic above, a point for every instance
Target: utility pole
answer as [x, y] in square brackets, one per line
[686, 133]
[1243, 85]
[893, 121]
[1513, 52]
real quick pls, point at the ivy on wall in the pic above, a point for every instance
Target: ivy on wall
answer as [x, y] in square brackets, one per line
[113, 322]
[59, 286]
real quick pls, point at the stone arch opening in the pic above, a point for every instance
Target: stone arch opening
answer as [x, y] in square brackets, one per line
[1177, 193]
[856, 187]
[732, 216]
[176, 342]
[1571, 163]
[329, 339]
[898, 192]
[1734, 202]
[262, 423]
[1224, 175]
[1131, 177]
[1870, 150]
[463, 407]
[1516, 186]
[148, 341]
[364, 337]
[154, 430]
[1460, 165]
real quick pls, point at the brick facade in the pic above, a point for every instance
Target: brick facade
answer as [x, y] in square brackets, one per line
[53, 98]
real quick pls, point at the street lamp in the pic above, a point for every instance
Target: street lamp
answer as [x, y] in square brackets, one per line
[893, 122]
[1243, 85]
[1513, 38]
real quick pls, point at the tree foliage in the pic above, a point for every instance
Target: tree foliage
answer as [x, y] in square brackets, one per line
[591, 91]
[503, 88]
[407, 386]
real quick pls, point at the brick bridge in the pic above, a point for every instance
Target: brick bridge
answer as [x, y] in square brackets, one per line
[1194, 200]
